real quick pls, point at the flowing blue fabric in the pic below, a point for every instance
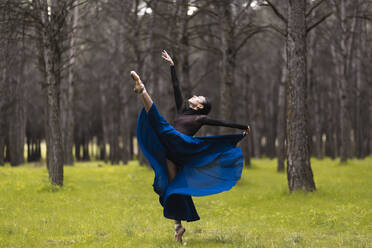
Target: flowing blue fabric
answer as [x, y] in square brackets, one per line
[208, 165]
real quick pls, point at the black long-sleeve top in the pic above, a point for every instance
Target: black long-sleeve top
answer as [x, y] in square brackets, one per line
[188, 121]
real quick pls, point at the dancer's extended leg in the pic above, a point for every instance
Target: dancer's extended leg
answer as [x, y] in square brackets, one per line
[139, 88]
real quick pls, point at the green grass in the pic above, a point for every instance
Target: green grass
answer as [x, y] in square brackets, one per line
[115, 206]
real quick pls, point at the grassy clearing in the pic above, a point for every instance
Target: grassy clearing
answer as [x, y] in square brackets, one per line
[115, 206]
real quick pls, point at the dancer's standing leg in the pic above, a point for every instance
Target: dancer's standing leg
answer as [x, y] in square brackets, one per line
[179, 230]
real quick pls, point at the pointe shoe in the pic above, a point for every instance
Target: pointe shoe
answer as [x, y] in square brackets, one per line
[178, 234]
[139, 86]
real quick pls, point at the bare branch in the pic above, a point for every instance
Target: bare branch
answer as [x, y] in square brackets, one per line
[313, 7]
[258, 30]
[279, 30]
[276, 11]
[365, 17]
[316, 23]
[240, 14]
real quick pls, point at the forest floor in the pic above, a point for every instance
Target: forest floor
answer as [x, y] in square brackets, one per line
[115, 206]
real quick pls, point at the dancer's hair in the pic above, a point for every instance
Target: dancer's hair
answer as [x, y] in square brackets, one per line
[207, 107]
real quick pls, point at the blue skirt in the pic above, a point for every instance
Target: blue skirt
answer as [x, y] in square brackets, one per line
[209, 165]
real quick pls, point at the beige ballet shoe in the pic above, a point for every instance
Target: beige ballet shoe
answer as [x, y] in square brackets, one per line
[178, 233]
[139, 86]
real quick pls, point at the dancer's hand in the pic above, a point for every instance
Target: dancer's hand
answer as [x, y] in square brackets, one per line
[245, 132]
[135, 76]
[166, 57]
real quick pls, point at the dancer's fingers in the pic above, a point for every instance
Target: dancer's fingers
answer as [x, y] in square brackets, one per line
[132, 72]
[165, 58]
[166, 54]
[134, 75]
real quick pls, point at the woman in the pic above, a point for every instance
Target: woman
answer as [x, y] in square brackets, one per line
[186, 166]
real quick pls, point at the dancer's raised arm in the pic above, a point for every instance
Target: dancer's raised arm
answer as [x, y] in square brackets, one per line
[176, 85]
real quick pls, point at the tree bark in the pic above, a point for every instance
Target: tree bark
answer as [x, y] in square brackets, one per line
[184, 50]
[341, 53]
[3, 119]
[314, 100]
[331, 126]
[299, 173]
[52, 64]
[281, 127]
[270, 121]
[370, 121]
[256, 124]
[245, 142]
[17, 124]
[227, 63]
[16, 114]
[357, 64]
[105, 124]
[2, 144]
[68, 91]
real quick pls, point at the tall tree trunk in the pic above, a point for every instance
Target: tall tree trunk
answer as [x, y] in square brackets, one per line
[245, 142]
[370, 120]
[114, 136]
[3, 128]
[52, 64]
[299, 173]
[124, 130]
[68, 91]
[331, 124]
[105, 124]
[17, 125]
[2, 144]
[341, 53]
[344, 117]
[86, 155]
[281, 128]
[318, 145]
[184, 49]
[315, 127]
[270, 121]
[256, 126]
[17, 118]
[227, 62]
[124, 110]
[54, 131]
[7, 154]
[358, 124]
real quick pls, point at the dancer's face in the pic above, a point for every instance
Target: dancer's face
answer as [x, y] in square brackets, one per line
[196, 102]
